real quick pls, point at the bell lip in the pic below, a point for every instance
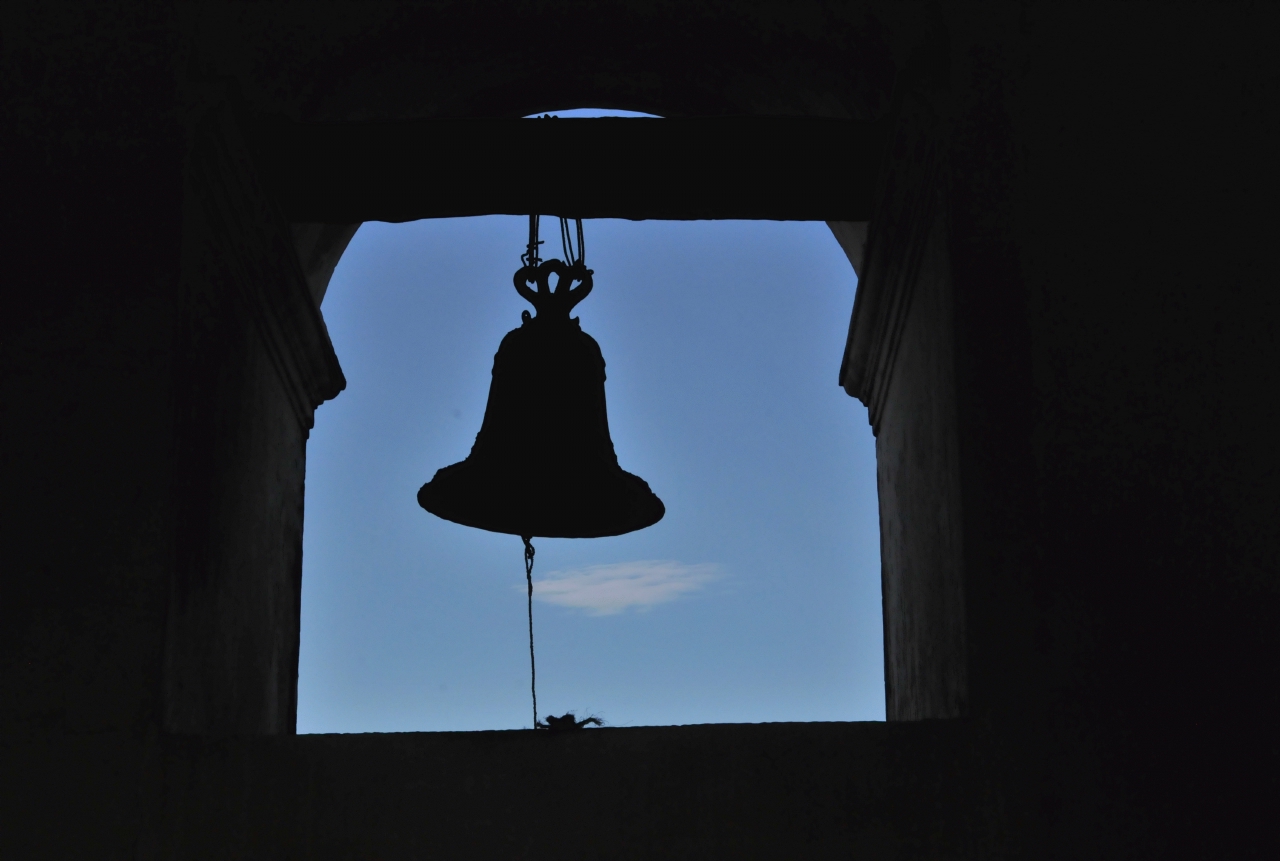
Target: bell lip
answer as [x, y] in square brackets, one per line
[651, 506]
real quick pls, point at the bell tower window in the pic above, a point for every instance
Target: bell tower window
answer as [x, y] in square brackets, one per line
[757, 597]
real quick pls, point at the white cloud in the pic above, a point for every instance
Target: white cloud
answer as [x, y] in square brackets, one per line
[603, 590]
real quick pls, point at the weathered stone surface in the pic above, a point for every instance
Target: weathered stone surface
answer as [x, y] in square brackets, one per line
[674, 169]
[256, 362]
[745, 791]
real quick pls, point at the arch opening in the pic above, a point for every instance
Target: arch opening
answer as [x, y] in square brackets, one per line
[763, 596]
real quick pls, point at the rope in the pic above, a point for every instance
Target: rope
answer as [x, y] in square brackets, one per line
[566, 242]
[531, 255]
[533, 669]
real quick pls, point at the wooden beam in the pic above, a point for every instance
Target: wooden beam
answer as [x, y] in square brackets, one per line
[717, 168]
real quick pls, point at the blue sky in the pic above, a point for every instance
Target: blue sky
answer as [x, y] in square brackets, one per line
[755, 599]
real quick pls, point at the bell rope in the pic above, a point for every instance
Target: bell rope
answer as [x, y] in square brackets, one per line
[533, 667]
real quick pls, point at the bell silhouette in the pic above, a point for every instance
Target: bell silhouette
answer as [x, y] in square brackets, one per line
[543, 464]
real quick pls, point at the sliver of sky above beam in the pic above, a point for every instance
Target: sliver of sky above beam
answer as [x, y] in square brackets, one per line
[757, 597]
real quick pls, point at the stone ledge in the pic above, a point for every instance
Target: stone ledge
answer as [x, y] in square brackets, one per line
[791, 790]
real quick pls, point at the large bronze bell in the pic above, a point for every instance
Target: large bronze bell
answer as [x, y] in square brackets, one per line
[543, 463]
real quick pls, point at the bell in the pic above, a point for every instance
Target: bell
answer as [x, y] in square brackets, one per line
[543, 463]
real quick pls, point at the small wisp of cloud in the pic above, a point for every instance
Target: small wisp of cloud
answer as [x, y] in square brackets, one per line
[603, 590]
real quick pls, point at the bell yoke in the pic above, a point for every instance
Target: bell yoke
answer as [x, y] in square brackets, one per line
[543, 463]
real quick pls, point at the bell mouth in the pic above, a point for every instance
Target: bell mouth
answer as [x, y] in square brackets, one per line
[571, 503]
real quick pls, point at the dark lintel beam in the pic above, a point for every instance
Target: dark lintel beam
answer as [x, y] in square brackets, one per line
[716, 168]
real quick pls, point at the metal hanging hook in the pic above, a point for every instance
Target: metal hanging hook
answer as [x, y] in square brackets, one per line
[559, 300]
[530, 258]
